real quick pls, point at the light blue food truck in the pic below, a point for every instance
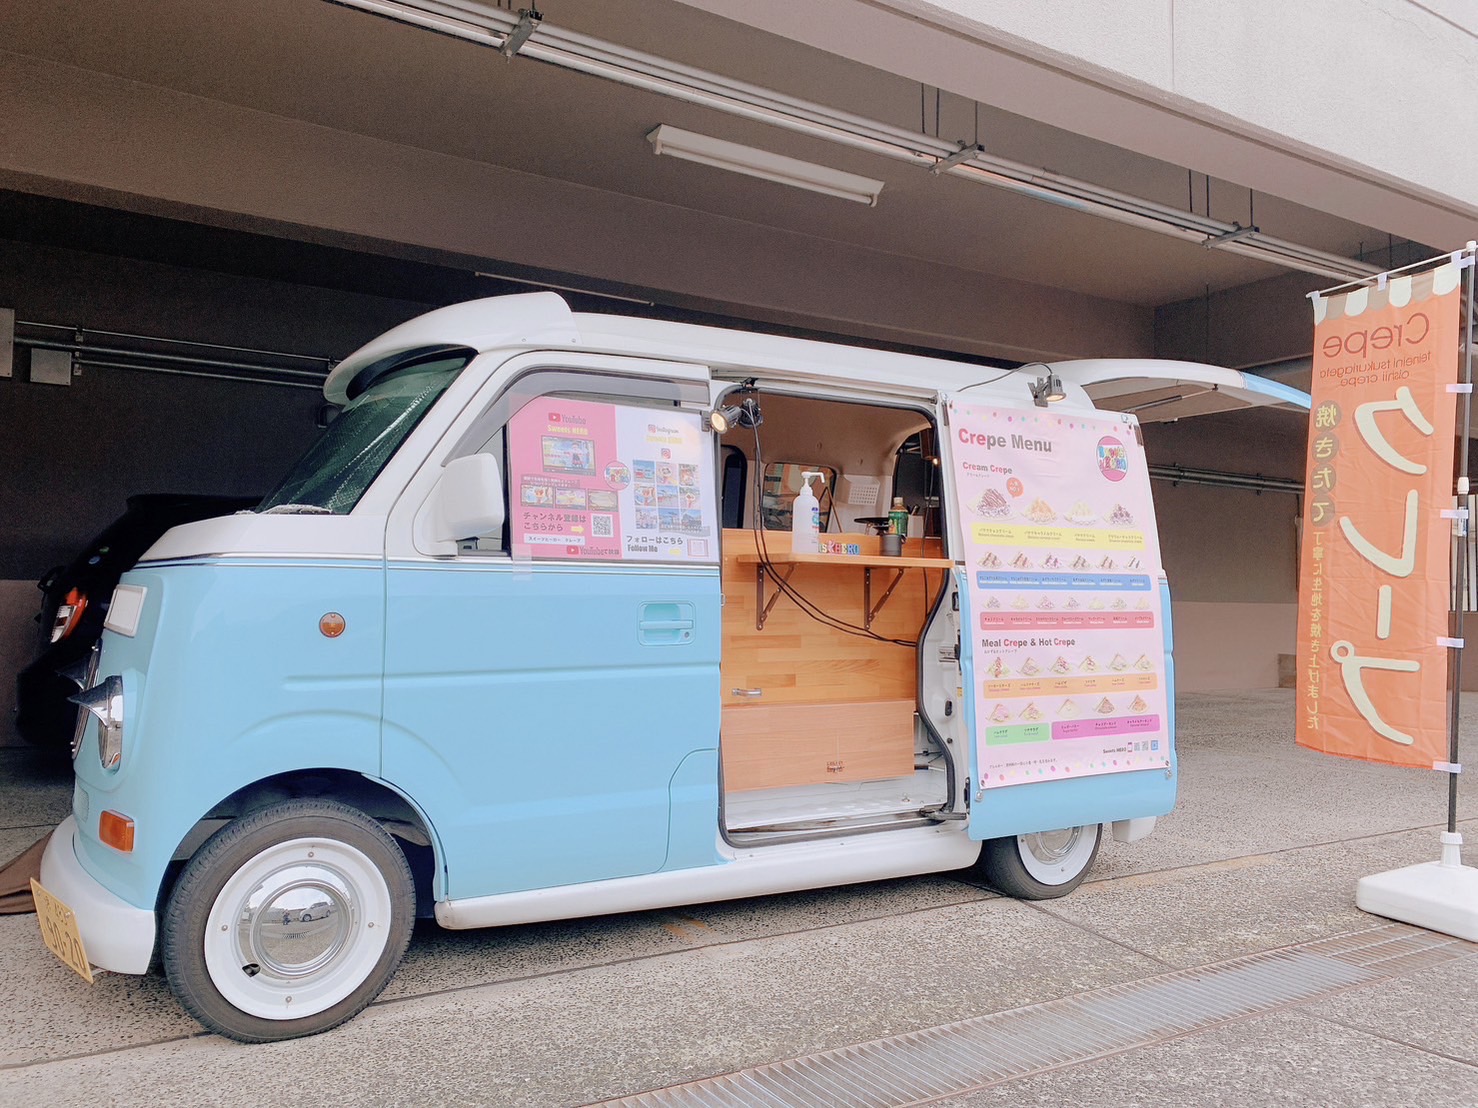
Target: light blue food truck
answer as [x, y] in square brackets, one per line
[526, 636]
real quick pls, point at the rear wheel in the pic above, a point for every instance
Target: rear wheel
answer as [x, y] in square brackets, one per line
[288, 921]
[1041, 865]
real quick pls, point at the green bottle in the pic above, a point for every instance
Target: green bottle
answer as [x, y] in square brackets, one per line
[898, 518]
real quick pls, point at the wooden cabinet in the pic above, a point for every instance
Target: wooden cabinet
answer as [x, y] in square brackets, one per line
[806, 703]
[766, 746]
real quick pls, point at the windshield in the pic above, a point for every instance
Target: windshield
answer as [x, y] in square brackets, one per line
[339, 467]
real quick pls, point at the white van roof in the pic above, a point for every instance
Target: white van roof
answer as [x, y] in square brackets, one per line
[542, 320]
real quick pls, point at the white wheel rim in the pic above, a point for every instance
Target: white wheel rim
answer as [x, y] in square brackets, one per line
[297, 929]
[1056, 857]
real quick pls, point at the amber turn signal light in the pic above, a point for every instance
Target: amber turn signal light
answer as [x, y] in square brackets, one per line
[116, 831]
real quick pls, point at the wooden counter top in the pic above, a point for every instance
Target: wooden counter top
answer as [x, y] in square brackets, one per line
[880, 560]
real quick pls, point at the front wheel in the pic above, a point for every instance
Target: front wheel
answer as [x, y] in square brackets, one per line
[1041, 865]
[288, 921]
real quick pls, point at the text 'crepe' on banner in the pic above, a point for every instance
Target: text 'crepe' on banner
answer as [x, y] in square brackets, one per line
[1374, 568]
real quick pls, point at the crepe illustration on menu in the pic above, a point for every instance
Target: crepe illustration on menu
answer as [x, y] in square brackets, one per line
[1088, 665]
[1021, 603]
[1120, 517]
[993, 603]
[1138, 704]
[991, 560]
[1072, 603]
[1051, 561]
[1001, 714]
[1119, 663]
[1021, 561]
[1080, 514]
[1062, 665]
[997, 668]
[1119, 604]
[1104, 706]
[1046, 604]
[1031, 711]
[1029, 668]
[1081, 562]
[1142, 604]
[992, 503]
[1107, 563]
[1095, 605]
[1133, 563]
[1040, 512]
[1143, 663]
[1069, 709]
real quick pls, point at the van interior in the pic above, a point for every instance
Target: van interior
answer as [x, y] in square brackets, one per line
[841, 678]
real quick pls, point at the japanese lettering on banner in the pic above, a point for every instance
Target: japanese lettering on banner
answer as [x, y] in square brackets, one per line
[611, 481]
[1374, 585]
[1063, 564]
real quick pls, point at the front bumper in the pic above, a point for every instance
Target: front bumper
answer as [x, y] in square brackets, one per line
[116, 935]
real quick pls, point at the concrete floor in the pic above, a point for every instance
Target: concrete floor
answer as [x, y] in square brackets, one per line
[1262, 853]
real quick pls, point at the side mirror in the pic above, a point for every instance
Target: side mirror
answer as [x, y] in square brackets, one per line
[468, 500]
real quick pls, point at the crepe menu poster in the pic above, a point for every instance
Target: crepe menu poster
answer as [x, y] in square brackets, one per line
[610, 481]
[1063, 564]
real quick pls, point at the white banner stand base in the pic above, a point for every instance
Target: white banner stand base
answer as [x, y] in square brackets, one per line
[1440, 896]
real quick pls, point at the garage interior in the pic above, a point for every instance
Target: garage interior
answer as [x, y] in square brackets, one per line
[200, 215]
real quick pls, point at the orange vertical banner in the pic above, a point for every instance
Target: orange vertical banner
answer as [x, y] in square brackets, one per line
[1374, 570]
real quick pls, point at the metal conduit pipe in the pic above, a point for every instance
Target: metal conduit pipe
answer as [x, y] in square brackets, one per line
[1249, 482]
[74, 329]
[213, 375]
[189, 361]
[85, 351]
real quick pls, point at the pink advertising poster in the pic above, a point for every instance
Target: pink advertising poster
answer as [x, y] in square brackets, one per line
[611, 481]
[1064, 564]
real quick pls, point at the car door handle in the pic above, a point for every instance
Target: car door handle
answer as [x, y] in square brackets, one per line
[667, 624]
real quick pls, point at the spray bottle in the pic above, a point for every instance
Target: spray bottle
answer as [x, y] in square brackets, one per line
[805, 517]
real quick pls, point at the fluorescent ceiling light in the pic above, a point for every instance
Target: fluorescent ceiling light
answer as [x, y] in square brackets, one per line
[753, 162]
[484, 23]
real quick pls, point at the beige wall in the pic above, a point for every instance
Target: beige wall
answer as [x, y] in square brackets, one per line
[1230, 554]
[1227, 545]
[1230, 646]
[1254, 325]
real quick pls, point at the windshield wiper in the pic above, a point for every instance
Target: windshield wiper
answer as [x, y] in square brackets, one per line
[297, 510]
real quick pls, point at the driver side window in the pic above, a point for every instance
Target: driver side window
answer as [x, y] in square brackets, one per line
[599, 467]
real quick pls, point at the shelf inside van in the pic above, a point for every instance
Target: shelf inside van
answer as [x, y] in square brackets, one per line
[883, 560]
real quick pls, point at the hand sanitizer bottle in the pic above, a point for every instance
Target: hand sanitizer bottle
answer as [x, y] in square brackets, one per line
[805, 518]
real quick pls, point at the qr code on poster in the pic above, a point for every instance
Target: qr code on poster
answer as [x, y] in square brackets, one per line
[602, 526]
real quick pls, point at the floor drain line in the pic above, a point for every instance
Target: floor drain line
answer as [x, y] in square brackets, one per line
[926, 1065]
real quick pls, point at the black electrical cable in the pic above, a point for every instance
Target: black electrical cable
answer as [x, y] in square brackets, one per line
[805, 605]
[1005, 373]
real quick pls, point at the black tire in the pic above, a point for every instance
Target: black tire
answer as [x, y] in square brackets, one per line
[1040, 866]
[210, 931]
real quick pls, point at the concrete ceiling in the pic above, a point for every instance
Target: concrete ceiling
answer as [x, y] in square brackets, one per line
[349, 73]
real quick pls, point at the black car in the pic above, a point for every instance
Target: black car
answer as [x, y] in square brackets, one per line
[75, 602]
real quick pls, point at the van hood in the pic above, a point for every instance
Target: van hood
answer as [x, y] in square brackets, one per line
[272, 535]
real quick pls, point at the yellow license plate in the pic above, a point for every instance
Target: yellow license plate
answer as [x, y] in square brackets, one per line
[59, 931]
